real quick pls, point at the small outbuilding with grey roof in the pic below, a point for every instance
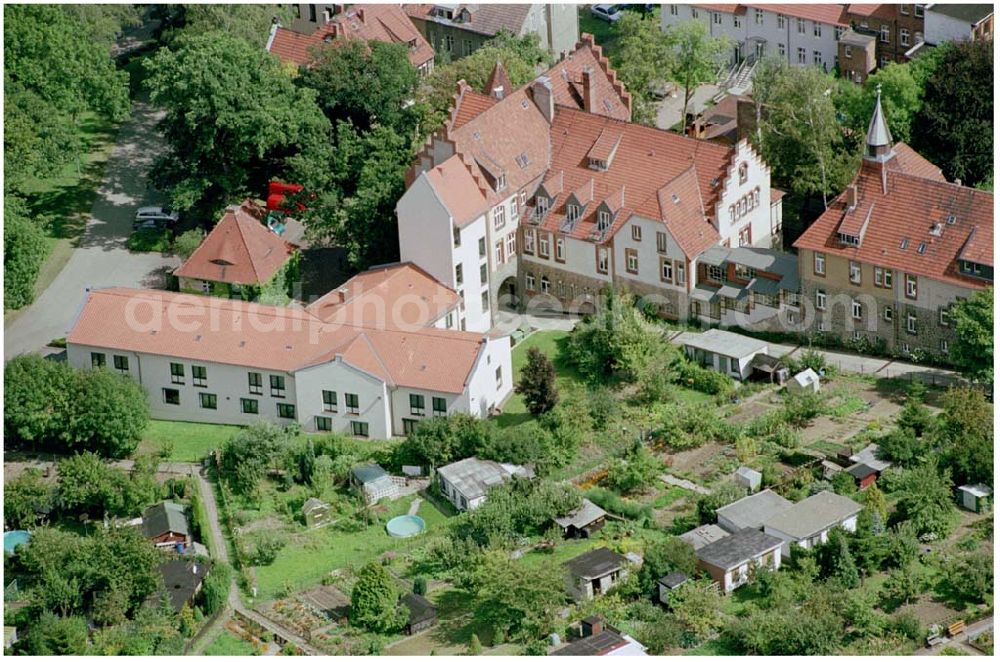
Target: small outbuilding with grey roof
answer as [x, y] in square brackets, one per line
[703, 535]
[466, 482]
[583, 521]
[752, 511]
[729, 560]
[808, 523]
[166, 525]
[724, 351]
[977, 498]
[593, 573]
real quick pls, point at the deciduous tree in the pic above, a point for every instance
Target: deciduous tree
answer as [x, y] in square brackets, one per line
[697, 56]
[643, 56]
[537, 384]
[967, 435]
[972, 350]
[375, 601]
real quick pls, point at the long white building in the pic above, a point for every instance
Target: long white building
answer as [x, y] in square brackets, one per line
[800, 34]
[370, 359]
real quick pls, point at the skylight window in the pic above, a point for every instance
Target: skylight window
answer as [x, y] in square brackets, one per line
[951, 219]
[903, 244]
[921, 248]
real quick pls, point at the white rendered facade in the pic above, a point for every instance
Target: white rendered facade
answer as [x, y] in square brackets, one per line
[761, 31]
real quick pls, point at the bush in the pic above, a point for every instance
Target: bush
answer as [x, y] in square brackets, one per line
[800, 408]
[149, 240]
[603, 407]
[23, 254]
[702, 379]
[907, 625]
[420, 585]
[215, 591]
[633, 471]
[616, 505]
[186, 243]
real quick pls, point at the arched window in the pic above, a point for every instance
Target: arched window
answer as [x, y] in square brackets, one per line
[743, 173]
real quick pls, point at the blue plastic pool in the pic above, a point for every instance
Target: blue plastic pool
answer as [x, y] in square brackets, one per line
[14, 539]
[405, 526]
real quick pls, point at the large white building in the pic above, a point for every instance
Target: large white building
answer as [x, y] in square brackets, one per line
[800, 34]
[550, 192]
[370, 359]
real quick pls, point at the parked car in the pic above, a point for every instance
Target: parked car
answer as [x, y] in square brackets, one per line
[662, 90]
[153, 217]
[609, 13]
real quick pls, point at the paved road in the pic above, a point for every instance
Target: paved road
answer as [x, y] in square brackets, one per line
[669, 112]
[101, 259]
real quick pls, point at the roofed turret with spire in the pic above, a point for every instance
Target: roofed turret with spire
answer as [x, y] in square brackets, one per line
[878, 142]
[499, 85]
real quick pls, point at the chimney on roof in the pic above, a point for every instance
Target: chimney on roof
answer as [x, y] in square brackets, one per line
[541, 94]
[588, 90]
[958, 182]
[592, 625]
[852, 196]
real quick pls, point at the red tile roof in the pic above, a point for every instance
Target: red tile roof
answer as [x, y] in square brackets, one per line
[486, 19]
[869, 10]
[401, 296]
[907, 160]
[610, 96]
[270, 338]
[469, 105]
[459, 191]
[650, 165]
[388, 23]
[239, 250]
[915, 209]
[831, 14]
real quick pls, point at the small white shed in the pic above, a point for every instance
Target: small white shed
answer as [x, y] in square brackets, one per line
[806, 381]
[724, 351]
[977, 498]
[748, 478]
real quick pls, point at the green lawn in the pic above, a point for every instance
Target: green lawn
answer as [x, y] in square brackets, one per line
[228, 643]
[548, 342]
[313, 554]
[66, 197]
[188, 442]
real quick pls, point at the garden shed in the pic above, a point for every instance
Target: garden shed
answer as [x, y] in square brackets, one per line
[582, 522]
[373, 483]
[748, 478]
[806, 381]
[724, 351]
[423, 614]
[977, 498]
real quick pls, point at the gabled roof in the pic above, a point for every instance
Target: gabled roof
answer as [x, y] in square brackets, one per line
[970, 13]
[271, 338]
[813, 514]
[240, 249]
[911, 208]
[458, 190]
[728, 343]
[752, 511]
[595, 563]
[387, 23]
[485, 19]
[181, 581]
[586, 514]
[165, 517]
[474, 477]
[369, 299]
[498, 86]
[737, 549]
[610, 98]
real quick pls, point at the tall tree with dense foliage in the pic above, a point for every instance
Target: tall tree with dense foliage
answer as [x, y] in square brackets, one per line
[57, 67]
[663, 557]
[972, 350]
[37, 395]
[634, 471]
[925, 499]
[616, 341]
[251, 23]
[23, 497]
[109, 413]
[642, 57]
[375, 601]
[954, 128]
[966, 435]
[24, 252]
[697, 56]
[902, 98]
[697, 604]
[248, 455]
[513, 600]
[799, 134]
[537, 383]
[234, 119]
[389, 82]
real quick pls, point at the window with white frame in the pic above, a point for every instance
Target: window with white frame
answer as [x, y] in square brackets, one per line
[541, 205]
[944, 346]
[499, 216]
[546, 285]
[511, 244]
[602, 260]
[856, 309]
[666, 270]
[817, 58]
[680, 270]
[529, 281]
[560, 249]
[839, 32]
[529, 241]
[661, 242]
[636, 233]
[911, 286]
[904, 37]
[673, 10]
[572, 212]
[943, 316]
[781, 21]
[498, 252]
[631, 260]
[817, 29]
[715, 273]
[801, 55]
[758, 16]
[883, 34]
[904, 10]
[717, 18]
[887, 313]
[781, 49]
[911, 323]
[801, 23]
[855, 273]
[820, 300]
[819, 264]
[918, 11]
[603, 220]
[543, 245]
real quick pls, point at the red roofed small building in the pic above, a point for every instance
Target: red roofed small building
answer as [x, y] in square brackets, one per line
[298, 44]
[238, 257]
[885, 263]
[549, 191]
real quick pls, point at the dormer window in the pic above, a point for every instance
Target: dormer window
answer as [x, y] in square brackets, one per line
[572, 212]
[603, 220]
[598, 164]
[541, 205]
[849, 239]
[501, 182]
